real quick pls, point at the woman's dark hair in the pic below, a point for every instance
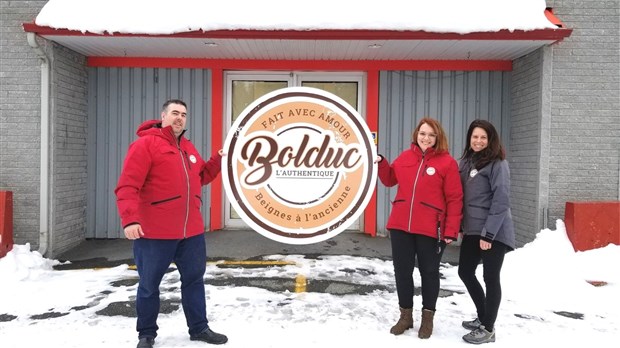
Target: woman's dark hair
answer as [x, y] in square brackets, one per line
[493, 151]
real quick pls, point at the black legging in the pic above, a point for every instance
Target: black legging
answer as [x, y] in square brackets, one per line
[405, 248]
[487, 305]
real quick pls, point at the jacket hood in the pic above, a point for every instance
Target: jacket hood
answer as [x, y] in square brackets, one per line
[430, 151]
[144, 128]
[153, 127]
[418, 151]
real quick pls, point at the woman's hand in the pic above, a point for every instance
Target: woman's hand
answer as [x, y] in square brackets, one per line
[484, 245]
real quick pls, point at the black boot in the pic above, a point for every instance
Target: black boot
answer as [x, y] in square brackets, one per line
[146, 342]
[209, 336]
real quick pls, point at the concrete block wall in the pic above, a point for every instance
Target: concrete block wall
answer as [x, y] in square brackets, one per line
[20, 118]
[525, 138]
[585, 106]
[69, 129]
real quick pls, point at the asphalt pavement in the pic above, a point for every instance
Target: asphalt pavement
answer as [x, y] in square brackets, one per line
[248, 253]
[247, 250]
[242, 245]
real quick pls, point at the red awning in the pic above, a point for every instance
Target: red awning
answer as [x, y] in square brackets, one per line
[382, 45]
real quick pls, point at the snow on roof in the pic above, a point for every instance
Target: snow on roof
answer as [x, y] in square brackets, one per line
[168, 17]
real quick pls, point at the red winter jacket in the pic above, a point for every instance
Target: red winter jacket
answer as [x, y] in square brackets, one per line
[160, 186]
[429, 191]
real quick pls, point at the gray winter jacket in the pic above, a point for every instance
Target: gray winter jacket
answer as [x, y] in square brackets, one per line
[486, 202]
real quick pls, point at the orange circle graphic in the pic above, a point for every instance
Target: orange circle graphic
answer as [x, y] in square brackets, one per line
[299, 167]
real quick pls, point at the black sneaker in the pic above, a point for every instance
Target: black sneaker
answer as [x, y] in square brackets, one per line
[209, 336]
[146, 342]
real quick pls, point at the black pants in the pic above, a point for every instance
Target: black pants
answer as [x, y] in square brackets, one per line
[487, 305]
[406, 247]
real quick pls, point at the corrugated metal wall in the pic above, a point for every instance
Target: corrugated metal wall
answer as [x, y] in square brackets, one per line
[455, 98]
[119, 100]
[122, 98]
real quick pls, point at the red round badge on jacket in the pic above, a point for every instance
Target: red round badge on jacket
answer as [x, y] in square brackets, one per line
[299, 168]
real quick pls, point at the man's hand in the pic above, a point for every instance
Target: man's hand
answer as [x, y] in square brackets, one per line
[133, 231]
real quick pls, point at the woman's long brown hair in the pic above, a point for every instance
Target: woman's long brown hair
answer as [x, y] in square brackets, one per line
[493, 151]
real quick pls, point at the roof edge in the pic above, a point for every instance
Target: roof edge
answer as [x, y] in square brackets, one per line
[504, 34]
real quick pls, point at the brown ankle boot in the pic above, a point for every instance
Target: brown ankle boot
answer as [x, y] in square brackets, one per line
[404, 322]
[426, 328]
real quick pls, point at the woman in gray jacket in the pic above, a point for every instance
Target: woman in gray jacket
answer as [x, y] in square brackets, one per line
[488, 231]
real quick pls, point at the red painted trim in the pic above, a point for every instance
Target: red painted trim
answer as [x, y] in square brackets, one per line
[504, 34]
[6, 222]
[372, 120]
[217, 122]
[331, 65]
[553, 19]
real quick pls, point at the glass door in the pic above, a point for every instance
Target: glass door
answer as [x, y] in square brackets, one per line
[242, 88]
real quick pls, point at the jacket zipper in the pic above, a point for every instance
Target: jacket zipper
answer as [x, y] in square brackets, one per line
[189, 163]
[165, 200]
[187, 202]
[415, 183]
[439, 211]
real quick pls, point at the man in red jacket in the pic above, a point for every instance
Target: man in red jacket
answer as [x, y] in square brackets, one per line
[159, 199]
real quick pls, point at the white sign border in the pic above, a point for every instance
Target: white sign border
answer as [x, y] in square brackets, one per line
[236, 129]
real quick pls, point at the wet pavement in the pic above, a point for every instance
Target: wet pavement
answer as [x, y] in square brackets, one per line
[249, 255]
[242, 245]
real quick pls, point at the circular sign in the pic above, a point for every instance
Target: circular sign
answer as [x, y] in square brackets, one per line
[299, 167]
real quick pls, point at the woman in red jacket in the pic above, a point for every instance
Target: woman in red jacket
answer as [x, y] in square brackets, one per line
[426, 215]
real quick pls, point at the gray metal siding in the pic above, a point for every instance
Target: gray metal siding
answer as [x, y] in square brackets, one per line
[455, 98]
[120, 100]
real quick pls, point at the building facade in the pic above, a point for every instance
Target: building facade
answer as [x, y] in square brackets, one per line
[66, 118]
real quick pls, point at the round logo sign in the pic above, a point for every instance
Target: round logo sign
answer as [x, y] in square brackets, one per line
[299, 167]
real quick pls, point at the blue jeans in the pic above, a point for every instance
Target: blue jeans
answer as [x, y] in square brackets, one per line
[153, 257]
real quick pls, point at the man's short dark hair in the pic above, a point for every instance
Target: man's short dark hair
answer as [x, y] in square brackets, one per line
[173, 101]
